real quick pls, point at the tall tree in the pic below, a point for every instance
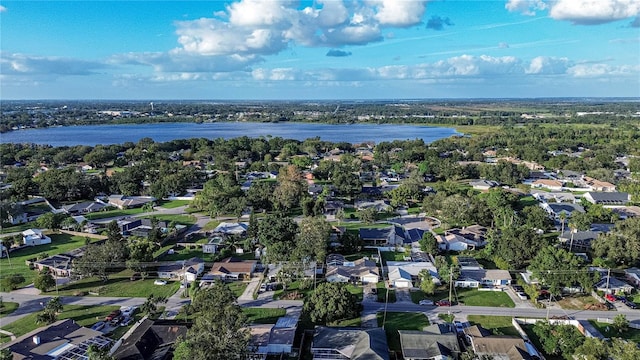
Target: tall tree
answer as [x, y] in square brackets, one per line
[426, 282]
[219, 331]
[428, 243]
[44, 281]
[558, 268]
[313, 237]
[331, 302]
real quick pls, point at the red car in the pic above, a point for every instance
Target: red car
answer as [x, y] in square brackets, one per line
[443, 303]
[610, 297]
[112, 315]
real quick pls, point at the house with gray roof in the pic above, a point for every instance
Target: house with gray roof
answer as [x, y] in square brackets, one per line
[607, 198]
[578, 240]
[349, 344]
[437, 341]
[556, 209]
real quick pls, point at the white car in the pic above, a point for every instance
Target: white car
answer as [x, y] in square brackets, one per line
[426, 302]
[159, 282]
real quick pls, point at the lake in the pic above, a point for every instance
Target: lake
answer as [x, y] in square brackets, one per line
[162, 132]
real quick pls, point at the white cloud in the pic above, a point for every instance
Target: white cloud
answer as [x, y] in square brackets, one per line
[21, 64]
[602, 70]
[527, 7]
[2, 9]
[581, 12]
[587, 12]
[548, 65]
[402, 13]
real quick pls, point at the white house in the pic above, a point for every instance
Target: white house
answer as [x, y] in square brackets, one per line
[401, 271]
[453, 242]
[399, 278]
[187, 270]
[35, 237]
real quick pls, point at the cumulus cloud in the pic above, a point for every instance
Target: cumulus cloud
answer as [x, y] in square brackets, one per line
[437, 23]
[544, 65]
[526, 7]
[338, 53]
[580, 12]
[398, 13]
[20, 64]
[2, 9]
[185, 62]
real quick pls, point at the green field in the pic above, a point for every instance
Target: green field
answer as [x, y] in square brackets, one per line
[60, 243]
[172, 204]
[473, 297]
[119, 285]
[18, 228]
[499, 325]
[630, 334]
[7, 308]
[237, 287]
[84, 315]
[263, 315]
[400, 321]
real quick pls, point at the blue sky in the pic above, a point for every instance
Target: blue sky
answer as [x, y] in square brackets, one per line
[322, 49]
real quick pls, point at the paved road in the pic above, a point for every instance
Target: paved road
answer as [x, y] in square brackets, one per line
[464, 311]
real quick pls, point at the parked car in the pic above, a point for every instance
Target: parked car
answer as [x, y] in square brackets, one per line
[127, 311]
[159, 282]
[98, 326]
[610, 297]
[518, 288]
[522, 296]
[426, 302]
[112, 315]
[263, 288]
[115, 321]
[458, 325]
[609, 305]
[126, 321]
[443, 303]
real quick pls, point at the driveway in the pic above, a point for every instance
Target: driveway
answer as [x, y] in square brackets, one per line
[252, 287]
[403, 295]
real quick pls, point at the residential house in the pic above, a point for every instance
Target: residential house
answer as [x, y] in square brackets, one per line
[85, 207]
[59, 265]
[633, 276]
[379, 205]
[625, 212]
[402, 274]
[214, 244]
[362, 271]
[379, 237]
[499, 347]
[579, 241]
[272, 339]
[35, 237]
[547, 184]
[483, 278]
[141, 227]
[151, 340]
[607, 198]
[229, 228]
[556, 209]
[28, 210]
[475, 235]
[484, 185]
[436, 342]
[127, 202]
[597, 185]
[549, 197]
[331, 208]
[349, 344]
[612, 285]
[230, 269]
[453, 242]
[187, 270]
[64, 340]
[569, 175]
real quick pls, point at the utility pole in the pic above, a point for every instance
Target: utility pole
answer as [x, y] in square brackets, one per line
[450, 282]
[608, 277]
[55, 275]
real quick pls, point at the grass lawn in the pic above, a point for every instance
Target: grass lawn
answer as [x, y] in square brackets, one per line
[237, 287]
[360, 254]
[355, 226]
[7, 308]
[18, 228]
[179, 219]
[526, 201]
[400, 321]
[119, 285]
[630, 334]
[263, 315]
[394, 255]
[382, 293]
[185, 254]
[293, 287]
[84, 315]
[355, 322]
[499, 325]
[356, 290]
[113, 213]
[211, 225]
[60, 243]
[172, 204]
[473, 297]
[417, 295]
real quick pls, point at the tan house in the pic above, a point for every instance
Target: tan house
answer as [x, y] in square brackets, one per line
[230, 269]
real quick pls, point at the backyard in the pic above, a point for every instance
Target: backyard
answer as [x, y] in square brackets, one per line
[60, 243]
[263, 315]
[467, 296]
[395, 321]
[499, 325]
[118, 285]
[608, 331]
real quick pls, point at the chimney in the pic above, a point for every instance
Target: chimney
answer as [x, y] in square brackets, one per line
[36, 340]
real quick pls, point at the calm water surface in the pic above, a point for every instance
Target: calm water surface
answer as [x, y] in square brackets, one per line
[161, 132]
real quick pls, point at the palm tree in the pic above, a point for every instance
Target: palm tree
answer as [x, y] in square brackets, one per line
[563, 217]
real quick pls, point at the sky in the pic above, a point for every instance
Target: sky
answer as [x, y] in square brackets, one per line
[322, 49]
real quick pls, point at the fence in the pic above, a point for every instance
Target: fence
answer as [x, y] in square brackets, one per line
[610, 321]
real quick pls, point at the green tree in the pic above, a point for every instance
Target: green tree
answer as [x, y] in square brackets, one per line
[620, 323]
[426, 282]
[312, 240]
[11, 282]
[428, 243]
[150, 306]
[290, 188]
[44, 281]
[331, 302]
[219, 331]
[623, 350]
[6, 354]
[368, 215]
[558, 268]
[277, 233]
[50, 221]
[95, 352]
[558, 339]
[592, 349]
